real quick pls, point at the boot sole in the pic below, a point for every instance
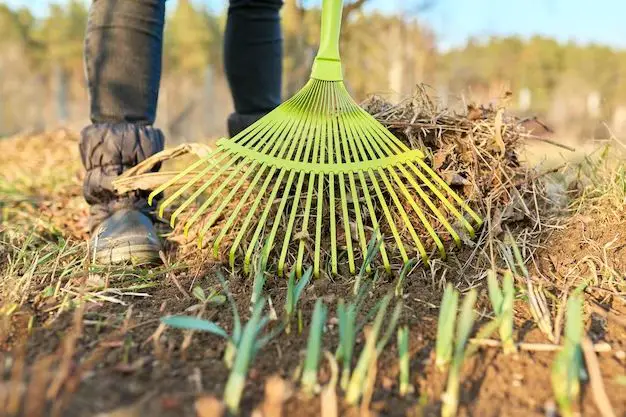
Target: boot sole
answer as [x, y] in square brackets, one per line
[136, 255]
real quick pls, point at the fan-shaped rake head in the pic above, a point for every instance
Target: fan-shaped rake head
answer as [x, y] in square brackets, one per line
[319, 171]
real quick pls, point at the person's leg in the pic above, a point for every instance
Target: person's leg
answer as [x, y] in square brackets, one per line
[253, 59]
[123, 50]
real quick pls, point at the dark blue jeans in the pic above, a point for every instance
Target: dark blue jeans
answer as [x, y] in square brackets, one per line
[123, 53]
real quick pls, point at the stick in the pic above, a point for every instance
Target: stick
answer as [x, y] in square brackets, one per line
[551, 142]
[171, 276]
[595, 380]
[537, 347]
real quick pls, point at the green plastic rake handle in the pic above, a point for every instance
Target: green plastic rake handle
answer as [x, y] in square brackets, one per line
[327, 65]
[318, 168]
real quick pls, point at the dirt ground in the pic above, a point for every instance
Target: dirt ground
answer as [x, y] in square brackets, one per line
[109, 356]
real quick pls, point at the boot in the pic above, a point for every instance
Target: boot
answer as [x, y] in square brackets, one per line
[237, 123]
[121, 226]
[128, 236]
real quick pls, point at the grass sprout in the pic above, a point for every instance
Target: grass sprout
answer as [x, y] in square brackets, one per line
[568, 367]
[233, 340]
[258, 283]
[403, 360]
[373, 247]
[445, 327]
[314, 348]
[294, 291]
[502, 303]
[347, 337]
[246, 350]
[463, 331]
[371, 350]
[537, 301]
[406, 268]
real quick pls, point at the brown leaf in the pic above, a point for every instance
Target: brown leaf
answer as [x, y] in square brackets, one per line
[498, 132]
[209, 406]
[328, 395]
[277, 392]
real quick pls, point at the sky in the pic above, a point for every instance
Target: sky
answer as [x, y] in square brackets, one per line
[455, 21]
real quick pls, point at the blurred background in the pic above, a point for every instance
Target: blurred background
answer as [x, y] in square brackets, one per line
[563, 60]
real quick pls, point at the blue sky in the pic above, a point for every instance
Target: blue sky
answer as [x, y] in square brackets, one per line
[455, 21]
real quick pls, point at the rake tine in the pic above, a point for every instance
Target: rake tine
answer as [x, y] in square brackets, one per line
[355, 130]
[177, 178]
[200, 190]
[294, 144]
[309, 132]
[207, 204]
[398, 145]
[411, 200]
[307, 212]
[368, 199]
[396, 200]
[331, 190]
[320, 191]
[460, 217]
[312, 178]
[258, 199]
[276, 141]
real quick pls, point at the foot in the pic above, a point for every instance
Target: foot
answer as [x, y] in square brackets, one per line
[128, 236]
[237, 123]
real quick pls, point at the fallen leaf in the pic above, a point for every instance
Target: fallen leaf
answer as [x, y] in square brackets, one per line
[209, 406]
[498, 132]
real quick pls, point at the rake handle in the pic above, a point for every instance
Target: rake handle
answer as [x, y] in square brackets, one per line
[327, 65]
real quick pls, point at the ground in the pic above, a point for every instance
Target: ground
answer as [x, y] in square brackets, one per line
[69, 348]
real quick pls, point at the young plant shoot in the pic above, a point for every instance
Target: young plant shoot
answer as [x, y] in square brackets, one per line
[294, 291]
[373, 247]
[314, 348]
[372, 349]
[445, 327]
[463, 331]
[568, 366]
[247, 349]
[403, 359]
[502, 303]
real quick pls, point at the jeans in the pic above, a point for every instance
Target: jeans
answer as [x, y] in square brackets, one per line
[123, 53]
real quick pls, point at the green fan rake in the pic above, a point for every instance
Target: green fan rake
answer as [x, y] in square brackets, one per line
[317, 161]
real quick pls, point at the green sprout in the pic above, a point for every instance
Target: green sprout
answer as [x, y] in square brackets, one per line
[445, 327]
[406, 268]
[373, 247]
[568, 366]
[502, 303]
[347, 338]
[246, 351]
[314, 348]
[372, 349]
[294, 291]
[403, 359]
[214, 297]
[258, 283]
[537, 302]
[463, 331]
[194, 323]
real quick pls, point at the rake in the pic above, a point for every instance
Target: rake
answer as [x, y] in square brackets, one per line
[324, 169]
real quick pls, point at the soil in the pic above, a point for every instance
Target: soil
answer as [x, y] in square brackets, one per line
[127, 368]
[117, 361]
